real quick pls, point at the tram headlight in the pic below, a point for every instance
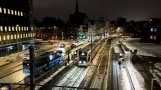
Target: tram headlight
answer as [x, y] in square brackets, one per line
[84, 62]
[80, 62]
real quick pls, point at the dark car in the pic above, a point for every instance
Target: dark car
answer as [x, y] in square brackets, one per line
[62, 45]
[73, 46]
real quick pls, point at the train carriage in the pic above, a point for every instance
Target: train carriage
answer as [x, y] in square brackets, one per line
[42, 63]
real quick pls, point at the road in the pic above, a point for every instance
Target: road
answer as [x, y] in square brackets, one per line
[13, 73]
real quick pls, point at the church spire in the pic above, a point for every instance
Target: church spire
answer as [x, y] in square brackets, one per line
[77, 7]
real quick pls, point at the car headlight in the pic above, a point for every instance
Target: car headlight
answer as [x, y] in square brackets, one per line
[79, 61]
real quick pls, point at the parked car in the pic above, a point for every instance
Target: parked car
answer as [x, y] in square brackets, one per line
[62, 45]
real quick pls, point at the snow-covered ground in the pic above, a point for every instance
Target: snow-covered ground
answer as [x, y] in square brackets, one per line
[132, 44]
[137, 79]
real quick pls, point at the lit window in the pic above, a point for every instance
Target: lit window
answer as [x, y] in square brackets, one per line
[18, 36]
[12, 12]
[155, 29]
[0, 10]
[11, 36]
[8, 11]
[21, 35]
[5, 28]
[15, 12]
[26, 34]
[9, 28]
[4, 38]
[27, 28]
[4, 10]
[151, 29]
[32, 28]
[8, 37]
[151, 37]
[19, 28]
[0, 38]
[1, 28]
[13, 28]
[15, 36]
[21, 13]
[22, 28]
[155, 37]
[16, 28]
[18, 13]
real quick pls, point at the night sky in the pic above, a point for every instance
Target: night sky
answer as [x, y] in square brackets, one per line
[109, 9]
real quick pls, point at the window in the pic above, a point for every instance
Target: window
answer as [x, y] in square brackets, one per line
[18, 36]
[22, 28]
[155, 37]
[13, 28]
[5, 28]
[15, 12]
[9, 28]
[21, 13]
[151, 37]
[8, 11]
[21, 35]
[0, 10]
[19, 28]
[26, 34]
[18, 13]
[151, 29]
[0, 38]
[27, 28]
[15, 36]
[32, 28]
[155, 29]
[4, 38]
[1, 28]
[12, 12]
[11, 36]
[16, 28]
[8, 37]
[4, 10]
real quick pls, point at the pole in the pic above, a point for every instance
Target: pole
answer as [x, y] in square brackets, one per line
[17, 40]
[31, 52]
[62, 36]
[91, 47]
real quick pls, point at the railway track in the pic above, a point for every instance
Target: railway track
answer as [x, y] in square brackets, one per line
[87, 80]
[98, 80]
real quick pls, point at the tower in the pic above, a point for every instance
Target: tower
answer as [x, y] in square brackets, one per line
[77, 8]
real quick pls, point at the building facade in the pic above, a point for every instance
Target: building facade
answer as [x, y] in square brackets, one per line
[150, 31]
[15, 20]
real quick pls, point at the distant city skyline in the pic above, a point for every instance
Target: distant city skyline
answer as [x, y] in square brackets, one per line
[109, 9]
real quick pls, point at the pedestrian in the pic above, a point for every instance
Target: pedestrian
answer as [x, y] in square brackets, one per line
[119, 62]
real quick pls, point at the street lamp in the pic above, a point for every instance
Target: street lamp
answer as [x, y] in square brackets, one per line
[17, 28]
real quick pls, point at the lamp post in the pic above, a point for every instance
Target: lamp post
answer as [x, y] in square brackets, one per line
[62, 35]
[91, 47]
[17, 28]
